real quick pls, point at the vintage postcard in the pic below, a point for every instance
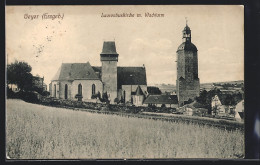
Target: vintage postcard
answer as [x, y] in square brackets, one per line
[125, 82]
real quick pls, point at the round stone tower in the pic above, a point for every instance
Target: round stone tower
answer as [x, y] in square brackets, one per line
[187, 83]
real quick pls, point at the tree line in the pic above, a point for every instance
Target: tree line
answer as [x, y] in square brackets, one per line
[19, 74]
[205, 98]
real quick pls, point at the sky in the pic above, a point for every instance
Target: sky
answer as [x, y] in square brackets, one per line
[217, 32]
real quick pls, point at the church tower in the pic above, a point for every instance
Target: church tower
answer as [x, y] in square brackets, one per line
[109, 59]
[187, 83]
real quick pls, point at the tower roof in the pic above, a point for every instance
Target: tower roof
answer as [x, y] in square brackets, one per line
[109, 47]
[187, 46]
[186, 28]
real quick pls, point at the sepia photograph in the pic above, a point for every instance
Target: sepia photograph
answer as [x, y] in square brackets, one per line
[125, 82]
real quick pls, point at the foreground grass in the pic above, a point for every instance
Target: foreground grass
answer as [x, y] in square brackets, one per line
[39, 132]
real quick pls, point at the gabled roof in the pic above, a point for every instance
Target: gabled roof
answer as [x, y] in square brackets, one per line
[139, 91]
[161, 99]
[131, 76]
[109, 47]
[72, 71]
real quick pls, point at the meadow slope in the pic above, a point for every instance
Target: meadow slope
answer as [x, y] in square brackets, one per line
[41, 132]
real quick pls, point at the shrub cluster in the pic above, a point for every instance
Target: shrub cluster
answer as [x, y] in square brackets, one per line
[28, 96]
[127, 108]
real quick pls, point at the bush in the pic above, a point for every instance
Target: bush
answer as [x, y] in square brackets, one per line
[45, 93]
[11, 94]
[96, 96]
[79, 97]
[32, 97]
[104, 97]
[116, 100]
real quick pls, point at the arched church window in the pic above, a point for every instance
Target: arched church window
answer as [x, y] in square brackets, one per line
[124, 96]
[80, 89]
[93, 89]
[54, 90]
[66, 92]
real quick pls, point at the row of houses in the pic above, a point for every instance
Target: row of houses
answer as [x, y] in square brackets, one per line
[223, 110]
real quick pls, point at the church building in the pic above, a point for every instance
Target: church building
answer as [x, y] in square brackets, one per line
[188, 82]
[82, 79]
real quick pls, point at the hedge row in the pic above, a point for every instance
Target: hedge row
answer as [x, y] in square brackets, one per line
[102, 106]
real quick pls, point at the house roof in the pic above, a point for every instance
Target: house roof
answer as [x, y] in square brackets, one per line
[109, 47]
[131, 76]
[161, 99]
[72, 71]
[139, 91]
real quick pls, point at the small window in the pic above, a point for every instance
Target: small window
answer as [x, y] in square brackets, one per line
[93, 89]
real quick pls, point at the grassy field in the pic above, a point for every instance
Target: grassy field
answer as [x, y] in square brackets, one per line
[40, 132]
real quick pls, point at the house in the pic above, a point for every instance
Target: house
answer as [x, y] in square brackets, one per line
[159, 100]
[39, 83]
[83, 80]
[217, 107]
[239, 110]
[138, 97]
[14, 87]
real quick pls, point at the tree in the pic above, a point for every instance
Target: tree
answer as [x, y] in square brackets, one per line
[105, 98]
[229, 100]
[205, 98]
[202, 97]
[19, 73]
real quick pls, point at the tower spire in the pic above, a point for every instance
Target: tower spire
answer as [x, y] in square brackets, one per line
[186, 21]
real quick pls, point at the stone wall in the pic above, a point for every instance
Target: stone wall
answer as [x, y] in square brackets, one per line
[187, 83]
[109, 78]
[62, 89]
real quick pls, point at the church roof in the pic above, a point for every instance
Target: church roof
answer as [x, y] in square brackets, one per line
[187, 46]
[97, 70]
[161, 99]
[131, 76]
[109, 47]
[125, 75]
[139, 91]
[73, 71]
